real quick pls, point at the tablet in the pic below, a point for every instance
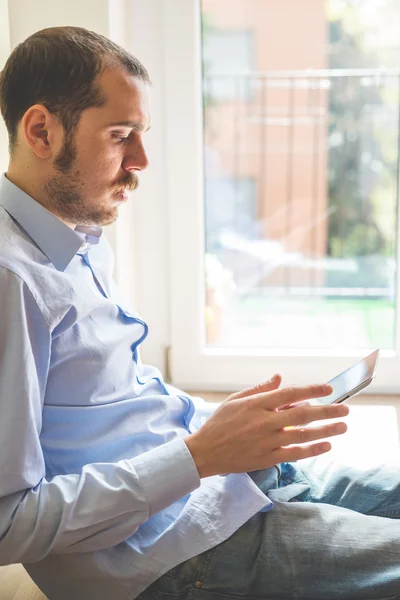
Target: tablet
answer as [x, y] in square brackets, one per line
[351, 381]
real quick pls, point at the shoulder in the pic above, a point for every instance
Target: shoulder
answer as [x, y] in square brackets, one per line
[18, 303]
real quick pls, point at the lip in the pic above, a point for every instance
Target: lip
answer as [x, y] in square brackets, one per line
[121, 196]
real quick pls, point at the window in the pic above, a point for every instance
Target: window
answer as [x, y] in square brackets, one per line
[225, 53]
[282, 189]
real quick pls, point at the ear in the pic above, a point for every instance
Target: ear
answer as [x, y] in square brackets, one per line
[41, 131]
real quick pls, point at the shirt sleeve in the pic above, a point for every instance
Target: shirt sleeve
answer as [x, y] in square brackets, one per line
[106, 502]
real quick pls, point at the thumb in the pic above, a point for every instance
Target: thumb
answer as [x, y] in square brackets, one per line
[267, 386]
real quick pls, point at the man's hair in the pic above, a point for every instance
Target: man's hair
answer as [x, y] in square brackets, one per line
[58, 68]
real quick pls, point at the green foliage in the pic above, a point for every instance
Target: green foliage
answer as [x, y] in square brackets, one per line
[362, 160]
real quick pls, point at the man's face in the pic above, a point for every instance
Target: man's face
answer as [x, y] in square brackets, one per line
[92, 172]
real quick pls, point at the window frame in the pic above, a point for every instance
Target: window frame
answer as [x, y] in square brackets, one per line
[169, 287]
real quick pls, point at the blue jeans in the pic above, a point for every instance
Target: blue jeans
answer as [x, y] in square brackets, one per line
[332, 533]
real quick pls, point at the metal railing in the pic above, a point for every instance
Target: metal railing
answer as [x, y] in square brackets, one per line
[348, 120]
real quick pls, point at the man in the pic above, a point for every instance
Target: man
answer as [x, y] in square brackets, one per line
[113, 484]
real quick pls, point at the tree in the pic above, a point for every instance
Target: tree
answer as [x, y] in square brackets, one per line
[359, 160]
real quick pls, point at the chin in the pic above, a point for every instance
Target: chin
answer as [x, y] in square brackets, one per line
[98, 219]
[109, 218]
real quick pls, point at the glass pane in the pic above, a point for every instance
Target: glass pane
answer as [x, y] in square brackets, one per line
[301, 138]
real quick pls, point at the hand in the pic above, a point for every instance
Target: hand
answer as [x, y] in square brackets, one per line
[249, 431]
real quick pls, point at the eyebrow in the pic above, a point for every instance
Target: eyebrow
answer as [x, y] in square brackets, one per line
[132, 124]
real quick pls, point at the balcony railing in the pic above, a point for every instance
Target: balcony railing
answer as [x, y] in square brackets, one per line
[302, 179]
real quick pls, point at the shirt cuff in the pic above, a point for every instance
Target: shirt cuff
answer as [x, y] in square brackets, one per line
[166, 474]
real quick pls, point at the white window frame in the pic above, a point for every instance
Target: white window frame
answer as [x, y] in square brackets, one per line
[192, 364]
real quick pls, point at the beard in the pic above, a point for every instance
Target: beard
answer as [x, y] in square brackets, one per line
[65, 196]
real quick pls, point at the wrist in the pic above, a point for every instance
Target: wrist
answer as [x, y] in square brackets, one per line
[199, 456]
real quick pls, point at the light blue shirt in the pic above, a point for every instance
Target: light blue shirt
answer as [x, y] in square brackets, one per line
[99, 495]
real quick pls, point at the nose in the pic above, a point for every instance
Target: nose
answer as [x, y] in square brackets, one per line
[135, 158]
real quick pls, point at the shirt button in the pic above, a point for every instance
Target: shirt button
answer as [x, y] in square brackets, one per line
[197, 584]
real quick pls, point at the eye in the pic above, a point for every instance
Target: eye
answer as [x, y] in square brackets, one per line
[119, 138]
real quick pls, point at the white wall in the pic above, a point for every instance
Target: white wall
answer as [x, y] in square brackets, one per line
[4, 52]
[28, 17]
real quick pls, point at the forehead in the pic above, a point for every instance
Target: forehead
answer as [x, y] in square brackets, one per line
[127, 98]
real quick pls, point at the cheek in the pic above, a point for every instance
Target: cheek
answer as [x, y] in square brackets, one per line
[98, 174]
[98, 168]
[107, 164]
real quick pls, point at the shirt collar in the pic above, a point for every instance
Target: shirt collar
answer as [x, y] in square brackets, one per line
[55, 239]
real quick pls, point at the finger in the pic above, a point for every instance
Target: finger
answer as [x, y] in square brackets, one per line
[267, 386]
[302, 435]
[293, 453]
[303, 415]
[302, 403]
[290, 395]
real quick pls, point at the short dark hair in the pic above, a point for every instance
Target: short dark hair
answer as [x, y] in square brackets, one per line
[58, 67]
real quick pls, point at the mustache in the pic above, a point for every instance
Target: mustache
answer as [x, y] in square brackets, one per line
[130, 183]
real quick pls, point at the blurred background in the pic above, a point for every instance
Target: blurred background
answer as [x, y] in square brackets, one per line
[301, 172]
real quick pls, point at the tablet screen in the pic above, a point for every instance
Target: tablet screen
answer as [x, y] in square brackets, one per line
[350, 379]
